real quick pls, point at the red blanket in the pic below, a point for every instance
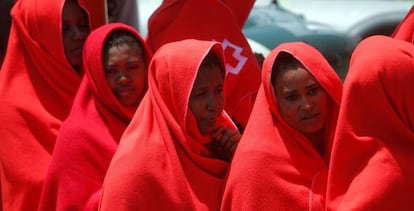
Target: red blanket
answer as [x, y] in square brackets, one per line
[37, 87]
[405, 30]
[275, 167]
[163, 162]
[220, 21]
[89, 136]
[372, 157]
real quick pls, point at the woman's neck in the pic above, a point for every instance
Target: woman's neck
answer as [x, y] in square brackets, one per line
[318, 141]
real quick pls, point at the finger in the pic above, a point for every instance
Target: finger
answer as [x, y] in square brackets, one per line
[234, 136]
[219, 129]
[230, 152]
[217, 132]
[227, 134]
[233, 147]
[230, 142]
[224, 138]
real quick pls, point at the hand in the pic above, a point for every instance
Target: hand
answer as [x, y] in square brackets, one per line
[225, 141]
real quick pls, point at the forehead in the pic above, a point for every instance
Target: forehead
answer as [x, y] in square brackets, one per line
[126, 48]
[71, 9]
[293, 78]
[209, 75]
[123, 49]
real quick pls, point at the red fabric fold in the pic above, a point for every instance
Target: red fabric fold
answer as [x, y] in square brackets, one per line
[37, 87]
[405, 30]
[161, 163]
[219, 21]
[275, 167]
[96, 9]
[89, 136]
[371, 165]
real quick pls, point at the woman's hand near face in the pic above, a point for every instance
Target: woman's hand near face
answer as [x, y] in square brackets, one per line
[225, 141]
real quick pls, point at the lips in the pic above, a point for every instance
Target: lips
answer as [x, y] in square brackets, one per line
[124, 92]
[310, 117]
[76, 50]
[210, 120]
[76, 47]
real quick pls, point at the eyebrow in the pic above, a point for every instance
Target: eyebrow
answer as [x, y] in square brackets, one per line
[309, 86]
[289, 92]
[201, 88]
[128, 62]
[109, 65]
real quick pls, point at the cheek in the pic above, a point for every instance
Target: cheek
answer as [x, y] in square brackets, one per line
[322, 101]
[288, 111]
[221, 102]
[195, 107]
[66, 44]
[111, 82]
[140, 83]
[325, 106]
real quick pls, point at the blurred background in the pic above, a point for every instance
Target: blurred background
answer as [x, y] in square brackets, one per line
[333, 26]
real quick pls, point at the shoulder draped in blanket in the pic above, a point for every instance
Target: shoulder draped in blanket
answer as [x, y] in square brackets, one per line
[89, 136]
[163, 162]
[220, 21]
[275, 167]
[372, 156]
[37, 87]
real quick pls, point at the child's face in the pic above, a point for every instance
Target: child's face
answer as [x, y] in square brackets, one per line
[126, 74]
[207, 98]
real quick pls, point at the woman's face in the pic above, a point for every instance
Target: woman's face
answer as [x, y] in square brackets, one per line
[75, 29]
[302, 102]
[207, 98]
[126, 74]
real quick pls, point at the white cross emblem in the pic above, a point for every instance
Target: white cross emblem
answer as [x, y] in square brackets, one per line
[236, 55]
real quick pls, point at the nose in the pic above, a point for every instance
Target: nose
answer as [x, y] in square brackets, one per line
[212, 102]
[122, 78]
[307, 103]
[78, 34]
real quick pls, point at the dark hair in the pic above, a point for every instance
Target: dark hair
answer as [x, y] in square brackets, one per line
[118, 38]
[212, 60]
[284, 61]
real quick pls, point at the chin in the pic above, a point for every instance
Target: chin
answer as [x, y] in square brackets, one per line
[206, 131]
[311, 130]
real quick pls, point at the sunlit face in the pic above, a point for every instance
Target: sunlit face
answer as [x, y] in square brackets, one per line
[126, 74]
[75, 29]
[207, 98]
[302, 102]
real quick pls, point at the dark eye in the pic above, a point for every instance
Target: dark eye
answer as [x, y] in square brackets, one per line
[108, 71]
[133, 66]
[84, 26]
[291, 97]
[65, 28]
[199, 94]
[219, 90]
[314, 91]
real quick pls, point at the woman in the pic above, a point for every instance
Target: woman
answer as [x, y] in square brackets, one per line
[283, 156]
[372, 156]
[174, 154]
[38, 81]
[177, 20]
[116, 59]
